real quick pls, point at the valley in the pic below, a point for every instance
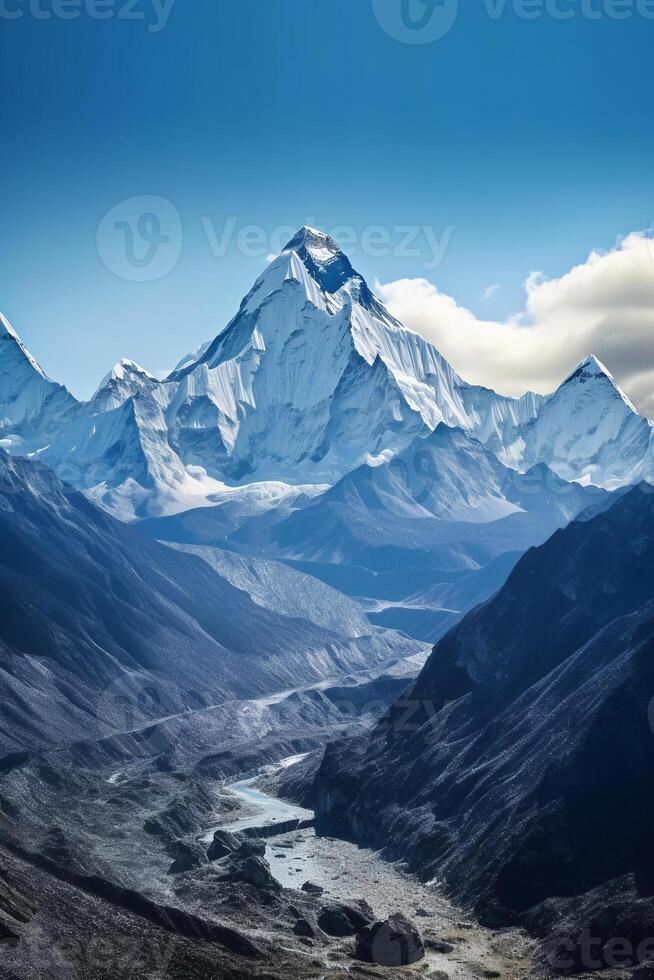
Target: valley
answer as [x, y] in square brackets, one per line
[314, 658]
[114, 843]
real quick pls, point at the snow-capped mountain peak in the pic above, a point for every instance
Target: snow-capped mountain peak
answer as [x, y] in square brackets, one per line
[328, 266]
[123, 370]
[591, 369]
[311, 378]
[8, 333]
[588, 430]
[320, 244]
[125, 380]
[32, 407]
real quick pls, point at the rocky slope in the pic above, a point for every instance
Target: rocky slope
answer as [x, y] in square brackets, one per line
[518, 771]
[102, 628]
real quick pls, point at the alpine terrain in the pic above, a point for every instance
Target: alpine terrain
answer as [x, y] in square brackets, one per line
[228, 744]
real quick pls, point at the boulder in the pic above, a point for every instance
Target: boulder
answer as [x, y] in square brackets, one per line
[188, 854]
[304, 928]
[337, 919]
[225, 843]
[254, 871]
[312, 889]
[394, 942]
[248, 864]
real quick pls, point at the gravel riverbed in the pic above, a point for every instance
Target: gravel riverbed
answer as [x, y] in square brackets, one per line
[347, 872]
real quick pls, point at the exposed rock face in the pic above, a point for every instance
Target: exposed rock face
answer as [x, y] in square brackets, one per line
[188, 854]
[16, 909]
[395, 942]
[521, 764]
[184, 815]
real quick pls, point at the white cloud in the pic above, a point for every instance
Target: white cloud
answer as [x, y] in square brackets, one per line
[604, 306]
[491, 291]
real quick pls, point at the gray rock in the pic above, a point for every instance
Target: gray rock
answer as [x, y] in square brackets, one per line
[225, 843]
[304, 928]
[188, 854]
[312, 889]
[247, 864]
[337, 919]
[395, 942]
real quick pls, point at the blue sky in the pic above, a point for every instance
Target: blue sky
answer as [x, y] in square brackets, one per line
[526, 142]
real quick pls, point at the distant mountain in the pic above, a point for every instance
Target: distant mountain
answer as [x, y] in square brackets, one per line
[32, 407]
[102, 629]
[432, 532]
[418, 540]
[117, 449]
[587, 430]
[311, 379]
[519, 771]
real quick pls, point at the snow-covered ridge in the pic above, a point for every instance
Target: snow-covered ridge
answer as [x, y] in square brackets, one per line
[311, 378]
[8, 332]
[123, 369]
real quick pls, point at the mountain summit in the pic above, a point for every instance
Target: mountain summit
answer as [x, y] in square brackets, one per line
[31, 405]
[588, 430]
[312, 378]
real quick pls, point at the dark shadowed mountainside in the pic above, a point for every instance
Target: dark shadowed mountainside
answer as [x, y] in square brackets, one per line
[519, 771]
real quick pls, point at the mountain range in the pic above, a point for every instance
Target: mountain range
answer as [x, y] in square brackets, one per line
[315, 409]
[311, 379]
[228, 567]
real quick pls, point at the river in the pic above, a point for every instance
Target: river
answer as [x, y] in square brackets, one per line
[347, 872]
